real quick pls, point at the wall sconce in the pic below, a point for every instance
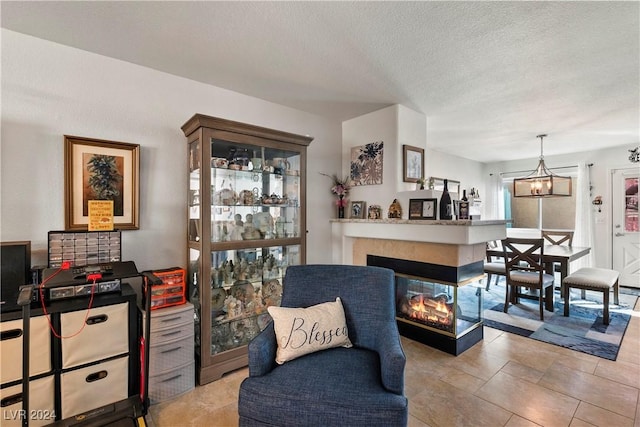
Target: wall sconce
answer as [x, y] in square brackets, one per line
[598, 202]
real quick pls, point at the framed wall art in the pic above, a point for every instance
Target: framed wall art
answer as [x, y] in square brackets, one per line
[423, 208]
[96, 169]
[357, 209]
[366, 164]
[412, 163]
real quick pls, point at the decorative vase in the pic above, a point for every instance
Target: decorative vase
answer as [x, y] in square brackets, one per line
[341, 207]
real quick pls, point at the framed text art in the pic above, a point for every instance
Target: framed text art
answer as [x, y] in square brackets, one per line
[412, 163]
[423, 208]
[95, 169]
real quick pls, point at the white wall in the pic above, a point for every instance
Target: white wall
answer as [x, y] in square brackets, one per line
[398, 125]
[49, 90]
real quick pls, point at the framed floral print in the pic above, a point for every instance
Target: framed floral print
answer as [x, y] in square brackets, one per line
[366, 164]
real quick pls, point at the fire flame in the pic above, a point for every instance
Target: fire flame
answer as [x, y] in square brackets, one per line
[430, 310]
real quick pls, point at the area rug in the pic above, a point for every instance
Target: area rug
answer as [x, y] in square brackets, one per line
[582, 331]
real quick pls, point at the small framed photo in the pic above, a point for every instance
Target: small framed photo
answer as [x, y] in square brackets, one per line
[357, 209]
[375, 212]
[423, 208]
[413, 163]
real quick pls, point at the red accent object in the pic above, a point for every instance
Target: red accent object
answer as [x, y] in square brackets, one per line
[65, 265]
[93, 277]
[142, 368]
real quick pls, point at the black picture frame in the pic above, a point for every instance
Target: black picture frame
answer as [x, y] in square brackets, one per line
[412, 163]
[423, 208]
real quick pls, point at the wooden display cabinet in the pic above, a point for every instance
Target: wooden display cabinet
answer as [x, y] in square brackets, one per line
[246, 224]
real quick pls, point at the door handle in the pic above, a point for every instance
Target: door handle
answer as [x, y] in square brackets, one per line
[619, 234]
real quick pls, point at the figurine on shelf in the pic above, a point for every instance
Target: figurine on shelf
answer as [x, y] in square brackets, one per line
[395, 210]
[238, 228]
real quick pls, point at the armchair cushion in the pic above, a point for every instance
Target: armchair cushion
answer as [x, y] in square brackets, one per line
[301, 331]
[339, 386]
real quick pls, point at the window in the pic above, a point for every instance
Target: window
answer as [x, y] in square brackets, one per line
[550, 213]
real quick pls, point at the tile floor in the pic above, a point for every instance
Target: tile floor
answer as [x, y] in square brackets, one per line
[504, 380]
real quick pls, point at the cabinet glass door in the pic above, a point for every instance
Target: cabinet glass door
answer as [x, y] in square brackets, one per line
[255, 193]
[243, 284]
[194, 192]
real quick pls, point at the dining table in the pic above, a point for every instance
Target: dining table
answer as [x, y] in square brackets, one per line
[561, 254]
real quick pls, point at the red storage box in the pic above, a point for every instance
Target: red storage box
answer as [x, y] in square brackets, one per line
[172, 291]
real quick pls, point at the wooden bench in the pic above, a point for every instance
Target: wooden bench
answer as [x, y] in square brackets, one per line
[592, 279]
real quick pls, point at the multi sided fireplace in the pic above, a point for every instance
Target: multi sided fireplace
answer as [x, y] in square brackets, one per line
[436, 304]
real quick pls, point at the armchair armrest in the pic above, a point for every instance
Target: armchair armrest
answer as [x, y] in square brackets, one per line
[392, 358]
[262, 352]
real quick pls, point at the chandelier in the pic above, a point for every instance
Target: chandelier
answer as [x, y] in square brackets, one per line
[542, 182]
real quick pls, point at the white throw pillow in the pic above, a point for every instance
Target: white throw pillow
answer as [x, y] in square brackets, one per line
[301, 331]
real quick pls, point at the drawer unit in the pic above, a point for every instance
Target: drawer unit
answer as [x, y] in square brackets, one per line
[94, 386]
[105, 334]
[95, 362]
[11, 334]
[171, 317]
[170, 355]
[171, 352]
[172, 290]
[172, 383]
[41, 403]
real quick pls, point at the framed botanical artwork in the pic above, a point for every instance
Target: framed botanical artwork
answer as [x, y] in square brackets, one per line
[357, 209]
[412, 163]
[423, 208]
[96, 169]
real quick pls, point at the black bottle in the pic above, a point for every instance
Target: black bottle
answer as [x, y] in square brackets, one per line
[445, 203]
[463, 206]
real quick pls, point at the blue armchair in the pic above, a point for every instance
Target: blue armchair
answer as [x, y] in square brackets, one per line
[358, 386]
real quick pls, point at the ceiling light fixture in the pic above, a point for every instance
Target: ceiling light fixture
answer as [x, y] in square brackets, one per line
[542, 182]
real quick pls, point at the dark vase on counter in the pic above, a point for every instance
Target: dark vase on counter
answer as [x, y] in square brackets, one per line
[341, 207]
[445, 203]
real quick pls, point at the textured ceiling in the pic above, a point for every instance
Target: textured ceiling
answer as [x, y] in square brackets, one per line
[489, 76]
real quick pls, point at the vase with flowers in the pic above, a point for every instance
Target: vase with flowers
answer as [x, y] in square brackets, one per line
[340, 188]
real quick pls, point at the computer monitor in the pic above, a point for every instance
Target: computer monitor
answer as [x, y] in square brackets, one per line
[15, 271]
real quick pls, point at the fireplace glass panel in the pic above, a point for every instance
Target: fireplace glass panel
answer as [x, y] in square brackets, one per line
[451, 310]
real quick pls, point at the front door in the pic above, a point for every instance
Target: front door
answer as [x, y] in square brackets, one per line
[626, 235]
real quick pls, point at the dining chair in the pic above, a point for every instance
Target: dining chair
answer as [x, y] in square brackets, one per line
[558, 237]
[493, 265]
[524, 268]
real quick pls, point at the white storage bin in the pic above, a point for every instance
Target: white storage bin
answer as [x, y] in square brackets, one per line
[104, 335]
[170, 355]
[172, 383]
[94, 386]
[41, 403]
[11, 348]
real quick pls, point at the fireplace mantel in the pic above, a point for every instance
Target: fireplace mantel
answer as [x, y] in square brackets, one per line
[440, 236]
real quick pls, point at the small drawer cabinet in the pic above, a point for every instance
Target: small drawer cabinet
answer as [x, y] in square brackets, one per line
[171, 352]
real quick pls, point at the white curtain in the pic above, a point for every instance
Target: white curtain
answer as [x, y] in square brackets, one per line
[583, 235]
[494, 208]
